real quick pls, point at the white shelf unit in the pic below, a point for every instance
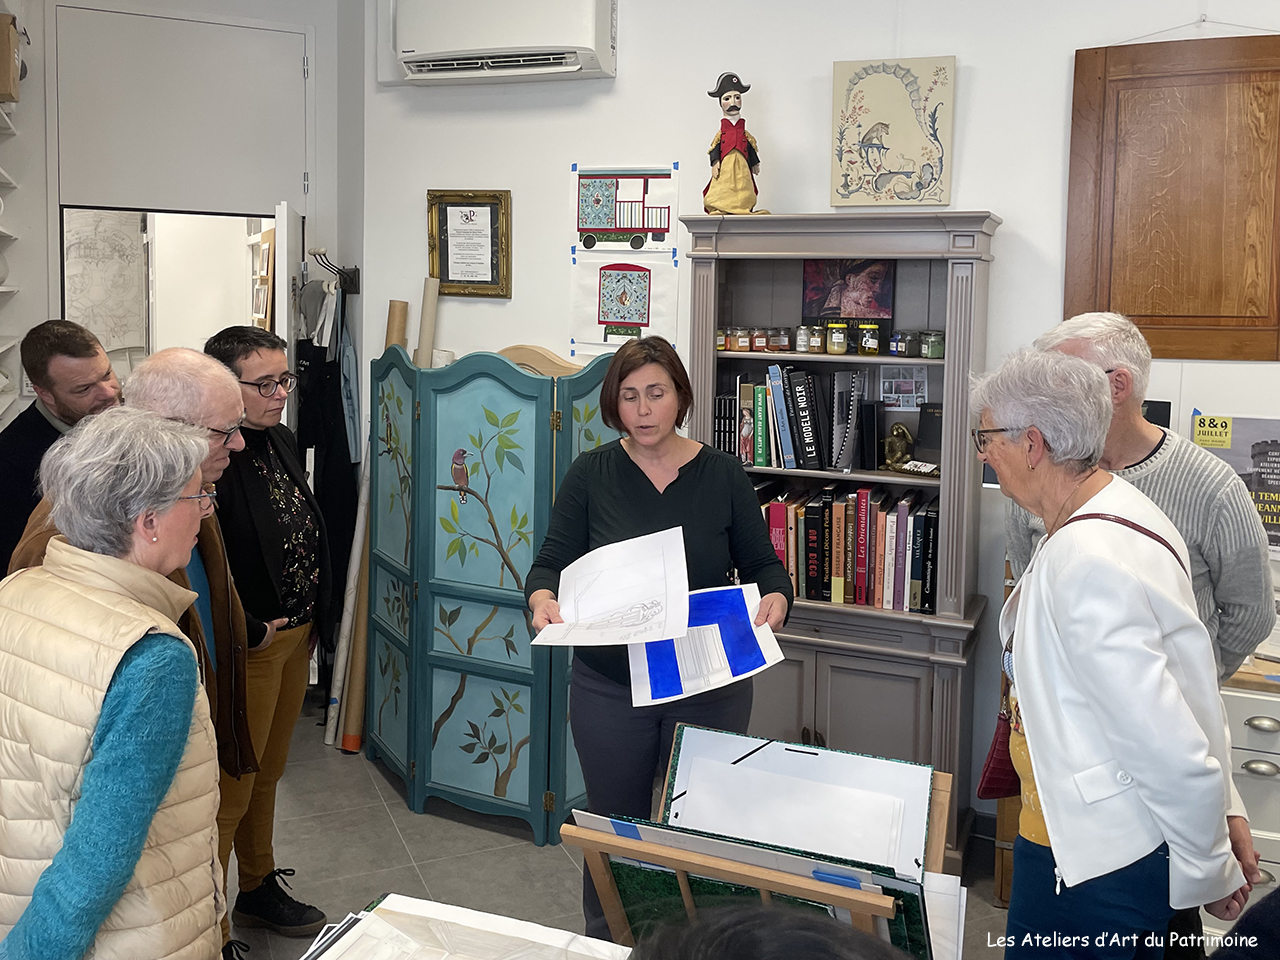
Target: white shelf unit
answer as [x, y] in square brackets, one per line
[7, 129]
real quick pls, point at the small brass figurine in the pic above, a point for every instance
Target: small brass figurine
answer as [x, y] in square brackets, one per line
[897, 447]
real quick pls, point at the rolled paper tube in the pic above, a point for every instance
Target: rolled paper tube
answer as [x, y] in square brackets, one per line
[427, 323]
[397, 322]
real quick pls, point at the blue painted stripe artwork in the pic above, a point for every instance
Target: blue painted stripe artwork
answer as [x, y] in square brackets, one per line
[664, 669]
[728, 609]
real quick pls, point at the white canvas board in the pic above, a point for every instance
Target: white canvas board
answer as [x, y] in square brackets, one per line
[837, 820]
[911, 782]
[406, 928]
[625, 592]
[710, 655]
[944, 902]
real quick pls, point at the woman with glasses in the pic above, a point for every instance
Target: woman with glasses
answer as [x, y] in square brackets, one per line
[1117, 728]
[108, 762]
[279, 557]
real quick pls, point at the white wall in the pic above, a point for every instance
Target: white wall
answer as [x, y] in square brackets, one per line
[1012, 125]
[201, 269]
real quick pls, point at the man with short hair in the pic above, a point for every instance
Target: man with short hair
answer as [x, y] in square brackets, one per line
[72, 378]
[279, 556]
[1207, 503]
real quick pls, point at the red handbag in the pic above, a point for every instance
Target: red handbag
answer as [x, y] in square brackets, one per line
[999, 779]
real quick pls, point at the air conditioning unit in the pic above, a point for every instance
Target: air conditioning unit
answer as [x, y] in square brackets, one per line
[504, 41]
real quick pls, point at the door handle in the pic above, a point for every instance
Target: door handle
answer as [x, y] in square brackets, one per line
[1267, 876]
[805, 738]
[1262, 768]
[1263, 724]
[820, 741]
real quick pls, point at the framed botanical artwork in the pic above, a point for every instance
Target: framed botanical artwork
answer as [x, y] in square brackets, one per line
[891, 131]
[469, 242]
[848, 289]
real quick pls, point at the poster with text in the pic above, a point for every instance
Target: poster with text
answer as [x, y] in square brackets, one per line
[1251, 446]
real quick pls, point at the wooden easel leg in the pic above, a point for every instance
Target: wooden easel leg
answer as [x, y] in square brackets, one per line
[864, 922]
[610, 899]
[686, 894]
[766, 898]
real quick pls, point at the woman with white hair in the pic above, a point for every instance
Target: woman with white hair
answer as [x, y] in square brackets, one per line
[108, 764]
[1118, 733]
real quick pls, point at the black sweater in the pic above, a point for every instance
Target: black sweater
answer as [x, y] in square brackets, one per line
[23, 443]
[606, 497]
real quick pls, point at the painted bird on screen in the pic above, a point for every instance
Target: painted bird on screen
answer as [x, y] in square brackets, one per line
[459, 471]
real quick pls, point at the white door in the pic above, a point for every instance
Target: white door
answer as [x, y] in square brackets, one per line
[290, 276]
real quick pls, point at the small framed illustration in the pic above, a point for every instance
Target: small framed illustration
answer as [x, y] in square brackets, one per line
[469, 242]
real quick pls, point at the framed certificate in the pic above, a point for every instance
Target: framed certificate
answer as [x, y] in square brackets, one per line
[469, 242]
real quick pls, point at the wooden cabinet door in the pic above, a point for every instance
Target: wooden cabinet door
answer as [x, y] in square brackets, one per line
[879, 707]
[1172, 207]
[782, 705]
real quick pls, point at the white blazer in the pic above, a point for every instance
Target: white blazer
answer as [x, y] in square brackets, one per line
[1118, 691]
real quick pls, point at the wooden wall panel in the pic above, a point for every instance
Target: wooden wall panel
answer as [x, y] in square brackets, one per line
[1172, 207]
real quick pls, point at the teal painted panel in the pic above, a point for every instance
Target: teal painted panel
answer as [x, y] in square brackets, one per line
[389, 708]
[392, 602]
[589, 430]
[393, 444]
[481, 745]
[574, 784]
[484, 631]
[484, 440]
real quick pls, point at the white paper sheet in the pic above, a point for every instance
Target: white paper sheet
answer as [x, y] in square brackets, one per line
[944, 900]
[470, 244]
[626, 592]
[710, 655]
[792, 812]
[405, 928]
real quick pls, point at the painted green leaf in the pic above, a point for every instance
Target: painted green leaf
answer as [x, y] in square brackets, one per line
[491, 416]
[447, 526]
[453, 509]
[499, 456]
[510, 633]
[496, 713]
[399, 405]
[405, 484]
[492, 740]
[454, 614]
[475, 441]
[500, 749]
[481, 759]
[524, 520]
[590, 437]
[496, 702]
[462, 554]
[475, 731]
[473, 469]
[475, 550]
[510, 419]
[506, 443]
[517, 708]
[515, 461]
[591, 412]
[470, 746]
[515, 516]
[511, 649]
[453, 548]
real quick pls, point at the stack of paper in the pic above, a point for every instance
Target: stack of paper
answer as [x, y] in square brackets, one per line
[636, 592]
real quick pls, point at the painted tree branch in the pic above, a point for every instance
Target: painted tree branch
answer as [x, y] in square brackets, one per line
[496, 542]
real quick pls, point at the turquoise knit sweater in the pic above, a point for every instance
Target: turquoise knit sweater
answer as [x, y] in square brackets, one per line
[137, 746]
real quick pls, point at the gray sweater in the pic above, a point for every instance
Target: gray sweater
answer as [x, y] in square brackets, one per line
[1212, 509]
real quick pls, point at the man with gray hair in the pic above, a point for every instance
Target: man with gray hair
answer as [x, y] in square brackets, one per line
[1200, 493]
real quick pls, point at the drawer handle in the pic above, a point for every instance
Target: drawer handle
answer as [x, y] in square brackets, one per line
[1263, 768]
[1263, 724]
[1267, 876]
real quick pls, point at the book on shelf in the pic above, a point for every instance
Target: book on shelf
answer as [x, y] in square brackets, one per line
[839, 510]
[871, 451]
[828, 529]
[793, 505]
[901, 567]
[783, 420]
[776, 518]
[863, 503]
[808, 455]
[916, 524]
[929, 563]
[775, 455]
[928, 445]
[820, 394]
[883, 507]
[760, 418]
[888, 555]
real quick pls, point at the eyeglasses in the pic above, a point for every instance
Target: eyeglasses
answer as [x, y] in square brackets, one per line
[980, 436]
[210, 495]
[227, 434]
[268, 387]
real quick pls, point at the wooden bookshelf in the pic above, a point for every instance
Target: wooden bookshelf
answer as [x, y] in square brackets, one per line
[883, 682]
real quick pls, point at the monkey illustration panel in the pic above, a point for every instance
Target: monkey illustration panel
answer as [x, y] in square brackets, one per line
[891, 131]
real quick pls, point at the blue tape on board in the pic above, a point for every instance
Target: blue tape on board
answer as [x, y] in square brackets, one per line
[830, 877]
[664, 670]
[728, 608]
[573, 167]
[675, 165]
[624, 829]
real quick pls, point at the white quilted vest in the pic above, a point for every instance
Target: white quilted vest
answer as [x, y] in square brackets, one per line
[63, 629]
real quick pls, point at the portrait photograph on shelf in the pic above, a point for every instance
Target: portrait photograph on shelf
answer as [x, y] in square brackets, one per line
[849, 289]
[469, 242]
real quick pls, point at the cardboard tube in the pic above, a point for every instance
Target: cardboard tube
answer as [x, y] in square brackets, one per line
[427, 323]
[397, 321]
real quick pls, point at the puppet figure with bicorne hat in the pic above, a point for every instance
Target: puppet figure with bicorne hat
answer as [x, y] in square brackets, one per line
[734, 161]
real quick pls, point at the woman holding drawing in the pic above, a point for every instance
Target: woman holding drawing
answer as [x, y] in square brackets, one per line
[1117, 730]
[651, 480]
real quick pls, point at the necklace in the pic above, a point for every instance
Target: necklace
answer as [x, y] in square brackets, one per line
[1054, 527]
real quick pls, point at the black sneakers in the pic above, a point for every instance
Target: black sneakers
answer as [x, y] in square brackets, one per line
[234, 950]
[269, 906]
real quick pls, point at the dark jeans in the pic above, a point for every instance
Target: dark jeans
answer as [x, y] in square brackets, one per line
[1123, 914]
[1185, 927]
[622, 748]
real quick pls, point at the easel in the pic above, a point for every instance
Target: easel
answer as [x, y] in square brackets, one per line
[863, 906]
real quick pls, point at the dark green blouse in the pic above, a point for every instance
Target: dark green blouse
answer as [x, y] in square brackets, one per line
[606, 497]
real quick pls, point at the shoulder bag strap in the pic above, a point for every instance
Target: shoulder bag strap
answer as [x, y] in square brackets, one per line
[1112, 518]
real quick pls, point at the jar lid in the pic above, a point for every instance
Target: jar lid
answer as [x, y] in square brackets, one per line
[837, 323]
[867, 323]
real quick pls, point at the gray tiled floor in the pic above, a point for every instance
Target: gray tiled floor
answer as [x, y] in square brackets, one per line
[342, 823]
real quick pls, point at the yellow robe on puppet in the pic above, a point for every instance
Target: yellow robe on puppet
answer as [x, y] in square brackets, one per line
[734, 190]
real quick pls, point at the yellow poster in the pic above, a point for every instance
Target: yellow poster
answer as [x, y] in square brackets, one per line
[1211, 432]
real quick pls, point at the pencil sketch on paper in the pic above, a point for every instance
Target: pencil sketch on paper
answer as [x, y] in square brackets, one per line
[626, 592]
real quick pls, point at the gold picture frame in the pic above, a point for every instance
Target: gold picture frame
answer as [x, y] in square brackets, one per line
[469, 242]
